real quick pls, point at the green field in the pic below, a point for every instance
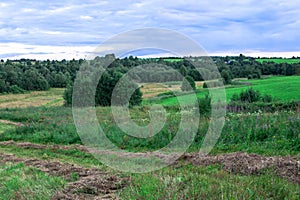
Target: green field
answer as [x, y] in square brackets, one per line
[42, 156]
[282, 87]
[278, 60]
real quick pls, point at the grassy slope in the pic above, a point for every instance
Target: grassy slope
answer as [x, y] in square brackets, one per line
[284, 88]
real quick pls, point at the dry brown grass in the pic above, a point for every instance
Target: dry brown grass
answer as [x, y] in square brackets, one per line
[153, 89]
[52, 97]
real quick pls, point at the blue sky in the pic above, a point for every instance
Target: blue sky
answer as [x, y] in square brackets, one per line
[73, 28]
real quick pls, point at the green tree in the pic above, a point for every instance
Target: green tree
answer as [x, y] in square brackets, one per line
[33, 80]
[188, 84]
[226, 75]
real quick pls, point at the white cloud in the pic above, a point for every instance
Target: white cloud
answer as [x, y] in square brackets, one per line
[270, 25]
[86, 17]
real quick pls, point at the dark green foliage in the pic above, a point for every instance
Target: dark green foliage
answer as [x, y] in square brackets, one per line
[205, 85]
[249, 96]
[16, 89]
[33, 80]
[3, 86]
[204, 105]
[68, 95]
[226, 75]
[188, 84]
[126, 92]
[122, 92]
[267, 98]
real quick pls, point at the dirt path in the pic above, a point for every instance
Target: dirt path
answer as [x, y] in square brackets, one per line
[238, 163]
[11, 123]
[91, 184]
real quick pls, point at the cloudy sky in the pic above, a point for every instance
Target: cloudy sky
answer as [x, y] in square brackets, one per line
[73, 28]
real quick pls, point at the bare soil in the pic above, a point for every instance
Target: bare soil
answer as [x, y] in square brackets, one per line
[250, 164]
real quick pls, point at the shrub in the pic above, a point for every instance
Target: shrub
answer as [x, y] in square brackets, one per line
[204, 105]
[16, 89]
[250, 95]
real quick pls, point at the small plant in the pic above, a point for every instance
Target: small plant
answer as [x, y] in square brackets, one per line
[74, 177]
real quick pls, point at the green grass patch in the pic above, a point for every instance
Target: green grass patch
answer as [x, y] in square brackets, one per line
[284, 88]
[21, 182]
[5, 127]
[190, 182]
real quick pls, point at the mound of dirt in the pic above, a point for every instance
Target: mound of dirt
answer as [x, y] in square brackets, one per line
[246, 164]
[91, 183]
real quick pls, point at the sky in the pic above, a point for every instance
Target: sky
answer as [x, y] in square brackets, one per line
[74, 28]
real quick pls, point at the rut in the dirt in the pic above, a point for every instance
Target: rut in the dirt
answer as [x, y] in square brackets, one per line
[91, 184]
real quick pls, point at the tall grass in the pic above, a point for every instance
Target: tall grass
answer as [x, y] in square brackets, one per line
[278, 131]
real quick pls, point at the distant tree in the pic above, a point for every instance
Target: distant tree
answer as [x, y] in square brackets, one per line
[183, 70]
[68, 95]
[226, 76]
[188, 84]
[33, 80]
[3, 86]
[106, 86]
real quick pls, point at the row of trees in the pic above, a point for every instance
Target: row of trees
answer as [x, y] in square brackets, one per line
[27, 75]
[21, 75]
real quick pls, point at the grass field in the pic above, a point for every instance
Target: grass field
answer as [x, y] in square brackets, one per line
[53, 97]
[278, 60]
[47, 160]
[283, 88]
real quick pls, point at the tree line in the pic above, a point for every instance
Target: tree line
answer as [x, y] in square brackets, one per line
[17, 76]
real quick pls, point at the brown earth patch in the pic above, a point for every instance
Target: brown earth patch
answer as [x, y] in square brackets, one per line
[27, 145]
[247, 164]
[238, 163]
[91, 184]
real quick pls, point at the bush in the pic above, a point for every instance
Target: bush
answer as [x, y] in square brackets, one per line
[267, 98]
[250, 95]
[16, 89]
[205, 105]
[68, 95]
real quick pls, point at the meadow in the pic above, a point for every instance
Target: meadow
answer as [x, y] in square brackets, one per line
[284, 88]
[42, 155]
[279, 60]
